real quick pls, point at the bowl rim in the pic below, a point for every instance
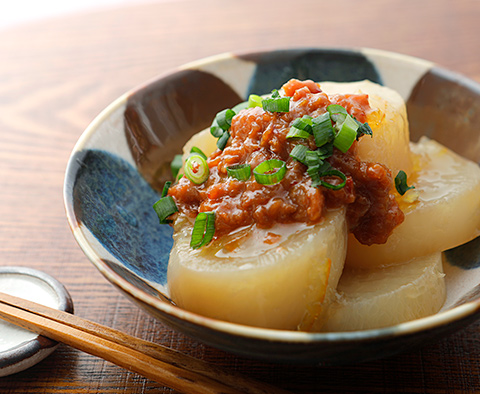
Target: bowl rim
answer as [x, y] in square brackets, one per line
[442, 318]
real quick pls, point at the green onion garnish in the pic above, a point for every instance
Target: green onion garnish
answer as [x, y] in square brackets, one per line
[401, 183]
[198, 151]
[297, 133]
[325, 151]
[240, 106]
[224, 118]
[166, 186]
[254, 101]
[215, 130]
[175, 165]
[298, 153]
[222, 141]
[242, 172]
[270, 172]
[196, 169]
[304, 123]
[346, 135]
[276, 103]
[314, 173]
[220, 126]
[322, 130]
[222, 123]
[203, 229]
[337, 113]
[336, 173]
[312, 158]
[301, 127]
[164, 208]
[316, 169]
[364, 129]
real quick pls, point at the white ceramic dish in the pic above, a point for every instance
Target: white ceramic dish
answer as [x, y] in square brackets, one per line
[21, 349]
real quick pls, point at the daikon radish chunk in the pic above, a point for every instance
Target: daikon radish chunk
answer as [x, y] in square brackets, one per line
[202, 140]
[443, 211]
[387, 296]
[281, 278]
[390, 142]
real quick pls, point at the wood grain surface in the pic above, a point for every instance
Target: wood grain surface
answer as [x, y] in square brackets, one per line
[57, 74]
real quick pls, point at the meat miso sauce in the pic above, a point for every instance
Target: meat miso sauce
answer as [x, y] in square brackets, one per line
[286, 208]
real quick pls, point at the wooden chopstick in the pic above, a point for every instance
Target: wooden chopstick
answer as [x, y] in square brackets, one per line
[166, 366]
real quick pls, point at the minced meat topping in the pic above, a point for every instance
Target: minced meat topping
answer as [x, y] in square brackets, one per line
[258, 135]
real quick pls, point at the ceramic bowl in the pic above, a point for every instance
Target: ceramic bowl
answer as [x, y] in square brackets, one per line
[121, 161]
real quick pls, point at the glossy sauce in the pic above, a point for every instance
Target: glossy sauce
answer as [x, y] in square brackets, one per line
[256, 136]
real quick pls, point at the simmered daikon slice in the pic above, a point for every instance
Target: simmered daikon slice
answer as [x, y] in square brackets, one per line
[383, 297]
[443, 211]
[281, 278]
[391, 137]
[203, 140]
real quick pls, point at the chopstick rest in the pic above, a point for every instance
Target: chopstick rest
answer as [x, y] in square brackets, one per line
[20, 349]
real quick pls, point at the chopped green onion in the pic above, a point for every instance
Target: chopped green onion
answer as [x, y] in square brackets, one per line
[301, 127]
[164, 208]
[401, 183]
[175, 165]
[298, 153]
[364, 129]
[304, 123]
[242, 172]
[326, 166]
[346, 135]
[254, 101]
[215, 130]
[270, 172]
[222, 141]
[276, 103]
[203, 229]
[336, 173]
[224, 118]
[198, 151]
[312, 158]
[297, 133]
[336, 109]
[196, 169]
[314, 173]
[322, 130]
[166, 186]
[221, 125]
[325, 151]
[240, 106]
[337, 113]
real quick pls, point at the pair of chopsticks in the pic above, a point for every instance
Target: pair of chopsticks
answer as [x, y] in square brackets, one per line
[166, 366]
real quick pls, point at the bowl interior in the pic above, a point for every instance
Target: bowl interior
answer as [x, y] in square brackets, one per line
[122, 160]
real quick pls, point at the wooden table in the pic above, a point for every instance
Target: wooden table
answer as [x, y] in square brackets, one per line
[56, 75]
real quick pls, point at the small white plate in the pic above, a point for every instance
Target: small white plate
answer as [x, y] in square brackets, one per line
[21, 349]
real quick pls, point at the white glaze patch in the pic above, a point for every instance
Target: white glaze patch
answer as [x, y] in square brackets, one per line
[32, 289]
[399, 72]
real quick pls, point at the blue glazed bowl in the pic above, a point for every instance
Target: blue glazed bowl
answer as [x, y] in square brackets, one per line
[121, 161]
